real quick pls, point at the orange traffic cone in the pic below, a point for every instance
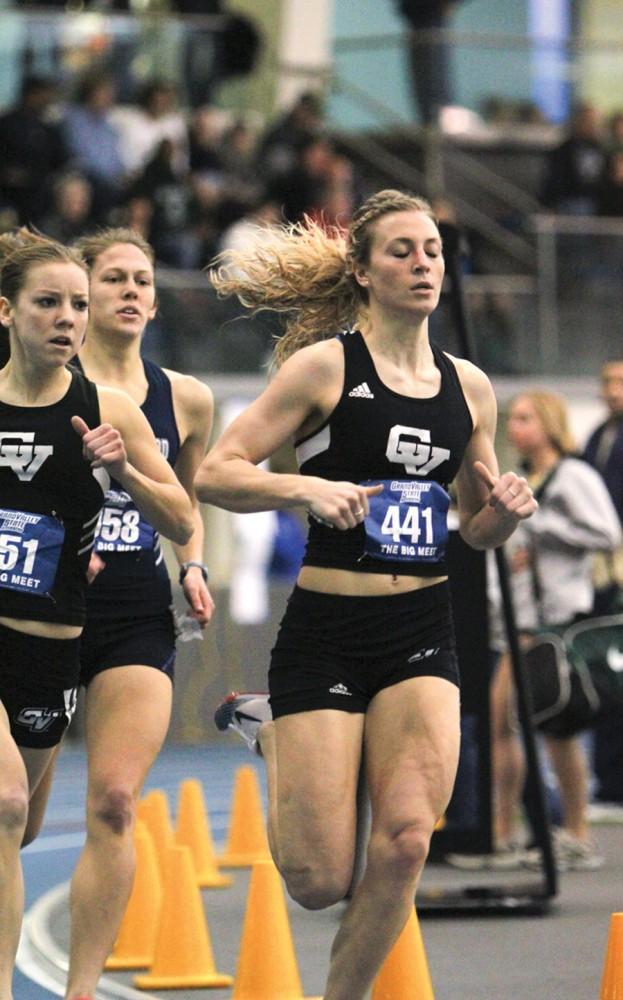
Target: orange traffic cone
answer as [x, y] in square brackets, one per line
[404, 974]
[193, 830]
[267, 968]
[612, 981]
[136, 940]
[183, 954]
[153, 809]
[247, 841]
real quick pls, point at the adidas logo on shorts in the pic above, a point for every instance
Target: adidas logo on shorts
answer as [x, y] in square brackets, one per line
[340, 689]
[362, 391]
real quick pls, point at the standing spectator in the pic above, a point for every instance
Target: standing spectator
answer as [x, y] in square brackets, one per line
[33, 150]
[575, 167]
[428, 60]
[94, 143]
[604, 451]
[551, 559]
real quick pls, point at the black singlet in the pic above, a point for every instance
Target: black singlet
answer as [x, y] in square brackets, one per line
[376, 433]
[135, 581]
[50, 501]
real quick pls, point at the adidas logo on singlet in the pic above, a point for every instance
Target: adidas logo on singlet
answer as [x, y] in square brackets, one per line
[362, 391]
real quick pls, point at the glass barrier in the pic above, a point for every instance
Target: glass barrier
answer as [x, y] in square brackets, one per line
[564, 322]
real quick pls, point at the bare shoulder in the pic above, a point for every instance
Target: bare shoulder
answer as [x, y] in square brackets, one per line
[316, 366]
[478, 390]
[115, 404]
[189, 393]
[472, 378]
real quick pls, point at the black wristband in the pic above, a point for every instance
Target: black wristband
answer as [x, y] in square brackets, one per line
[193, 562]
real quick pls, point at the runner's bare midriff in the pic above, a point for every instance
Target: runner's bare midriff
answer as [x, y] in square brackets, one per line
[46, 630]
[352, 584]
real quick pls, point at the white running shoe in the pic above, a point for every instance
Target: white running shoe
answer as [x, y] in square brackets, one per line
[244, 713]
[570, 854]
[506, 857]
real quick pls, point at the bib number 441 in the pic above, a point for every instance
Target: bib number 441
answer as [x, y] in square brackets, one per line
[415, 522]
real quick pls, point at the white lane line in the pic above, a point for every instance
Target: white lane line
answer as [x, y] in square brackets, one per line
[40, 958]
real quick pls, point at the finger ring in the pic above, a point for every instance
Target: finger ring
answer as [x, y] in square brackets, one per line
[359, 512]
[511, 492]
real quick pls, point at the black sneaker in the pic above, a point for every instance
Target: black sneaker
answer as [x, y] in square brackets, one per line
[244, 713]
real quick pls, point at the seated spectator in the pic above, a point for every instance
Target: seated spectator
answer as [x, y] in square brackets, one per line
[238, 155]
[575, 167]
[610, 192]
[33, 150]
[254, 224]
[614, 138]
[279, 146]
[94, 143]
[71, 215]
[171, 226]
[205, 135]
[143, 127]
[314, 183]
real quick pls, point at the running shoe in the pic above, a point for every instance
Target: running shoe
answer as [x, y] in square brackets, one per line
[244, 713]
[570, 854]
[505, 857]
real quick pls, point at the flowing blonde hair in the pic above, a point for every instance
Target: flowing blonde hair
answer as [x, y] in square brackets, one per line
[306, 271]
[552, 411]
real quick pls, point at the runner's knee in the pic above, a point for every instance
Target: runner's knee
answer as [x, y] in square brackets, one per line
[13, 811]
[315, 889]
[401, 853]
[114, 808]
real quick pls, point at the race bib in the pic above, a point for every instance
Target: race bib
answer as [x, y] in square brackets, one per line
[30, 549]
[408, 521]
[120, 527]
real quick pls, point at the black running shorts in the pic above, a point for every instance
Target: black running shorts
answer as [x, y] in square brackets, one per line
[38, 686]
[108, 642]
[338, 652]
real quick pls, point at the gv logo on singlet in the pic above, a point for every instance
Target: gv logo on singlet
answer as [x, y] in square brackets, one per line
[411, 447]
[18, 452]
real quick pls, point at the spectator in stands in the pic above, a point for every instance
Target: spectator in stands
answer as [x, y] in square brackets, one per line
[604, 451]
[614, 141]
[575, 167]
[215, 53]
[320, 185]
[94, 143]
[610, 191]
[33, 150]
[239, 159]
[71, 214]
[171, 230]
[428, 60]
[255, 223]
[280, 144]
[143, 127]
